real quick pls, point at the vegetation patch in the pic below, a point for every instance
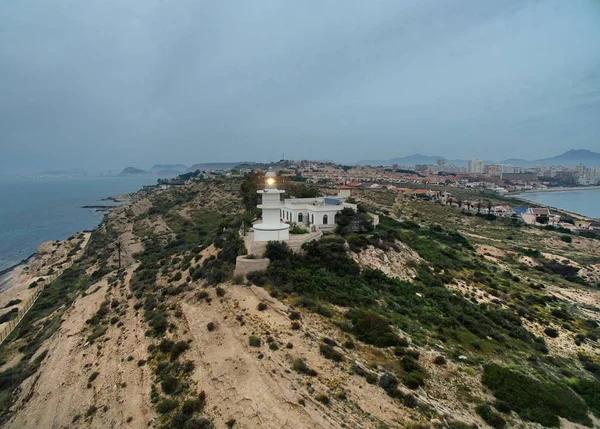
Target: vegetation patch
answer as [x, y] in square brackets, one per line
[534, 400]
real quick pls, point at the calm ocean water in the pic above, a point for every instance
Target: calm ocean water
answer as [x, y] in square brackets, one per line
[34, 210]
[584, 202]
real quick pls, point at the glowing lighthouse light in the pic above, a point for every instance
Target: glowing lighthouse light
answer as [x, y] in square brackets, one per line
[271, 228]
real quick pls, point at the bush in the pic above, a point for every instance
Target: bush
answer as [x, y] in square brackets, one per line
[330, 353]
[199, 423]
[93, 376]
[169, 385]
[220, 291]
[322, 398]
[439, 360]
[534, 400]
[589, 390]
[374, 329]
[13, 302]
[210, 326]
[178, 349]
[294, 315]
[166, 405]
[492, 418]
[300, 366]
[254, 341]
[296, 325]
[259, 278]
[191, 406]
[262, 306]
[566, 238]
[551, 332]
[277, 251]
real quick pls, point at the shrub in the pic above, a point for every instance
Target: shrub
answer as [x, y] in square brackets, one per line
[295, 325]
[178, 348]
[566, 238]
[439, 360]
[166, 405]
[262, 306]
[93, 376]
[169, 385]
[322, 398]
[220, 291]
[374, 329]
[277, 251]
[589, 390]
[259, 278]
[199, 423]
[300, 366]
[210, 326]
[330, 353]
[534, 400]
[13, 302]
[254, 341]
[492, 418]
[193, 405]
[551, 332]
[502, 406]
[294, 315]
[165, 345]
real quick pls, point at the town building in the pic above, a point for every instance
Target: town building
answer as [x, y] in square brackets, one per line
[475, 166]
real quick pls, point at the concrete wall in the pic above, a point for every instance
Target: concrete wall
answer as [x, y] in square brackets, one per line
[245, 266]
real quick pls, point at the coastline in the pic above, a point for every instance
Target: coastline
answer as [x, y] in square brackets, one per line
[557, 189]
[555, 209]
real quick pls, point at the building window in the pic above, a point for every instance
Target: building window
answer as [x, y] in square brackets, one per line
[324, 219]
[300, 218]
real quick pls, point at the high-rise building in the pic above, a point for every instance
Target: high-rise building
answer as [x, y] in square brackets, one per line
[492, 170]
[475, 166]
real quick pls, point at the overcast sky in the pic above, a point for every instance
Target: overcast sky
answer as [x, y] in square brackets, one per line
[113, 83]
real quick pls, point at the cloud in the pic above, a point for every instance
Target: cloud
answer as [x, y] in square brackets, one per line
[109, 84]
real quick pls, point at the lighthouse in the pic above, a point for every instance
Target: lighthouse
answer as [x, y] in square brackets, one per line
[271, 228]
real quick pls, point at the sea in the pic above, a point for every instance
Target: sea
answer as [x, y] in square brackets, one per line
[585, 202]
[38, 209]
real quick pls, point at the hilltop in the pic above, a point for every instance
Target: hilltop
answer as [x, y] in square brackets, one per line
[436, 318]
[569, 158]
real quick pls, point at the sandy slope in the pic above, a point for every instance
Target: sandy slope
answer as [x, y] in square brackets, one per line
[265, 392]
[59, 392]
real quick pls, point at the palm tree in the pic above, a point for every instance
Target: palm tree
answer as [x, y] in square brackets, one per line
[121, 249]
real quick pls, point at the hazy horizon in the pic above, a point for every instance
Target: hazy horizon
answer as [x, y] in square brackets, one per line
[108, 85]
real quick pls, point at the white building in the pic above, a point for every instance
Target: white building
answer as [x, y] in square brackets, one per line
[277, 216]
[271, 228]
[475, 166]
[314, 212]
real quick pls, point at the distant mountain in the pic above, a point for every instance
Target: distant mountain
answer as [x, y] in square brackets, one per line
[569, 158]
[572, 157]
[131, 171]
[175, 167]
[213, 166]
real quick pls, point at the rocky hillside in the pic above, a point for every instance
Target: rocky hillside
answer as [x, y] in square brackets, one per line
[434, 319]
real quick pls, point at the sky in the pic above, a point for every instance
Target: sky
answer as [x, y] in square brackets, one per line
[110, 84]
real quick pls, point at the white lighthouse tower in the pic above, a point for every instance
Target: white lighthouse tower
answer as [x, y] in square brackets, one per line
[271, 228]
